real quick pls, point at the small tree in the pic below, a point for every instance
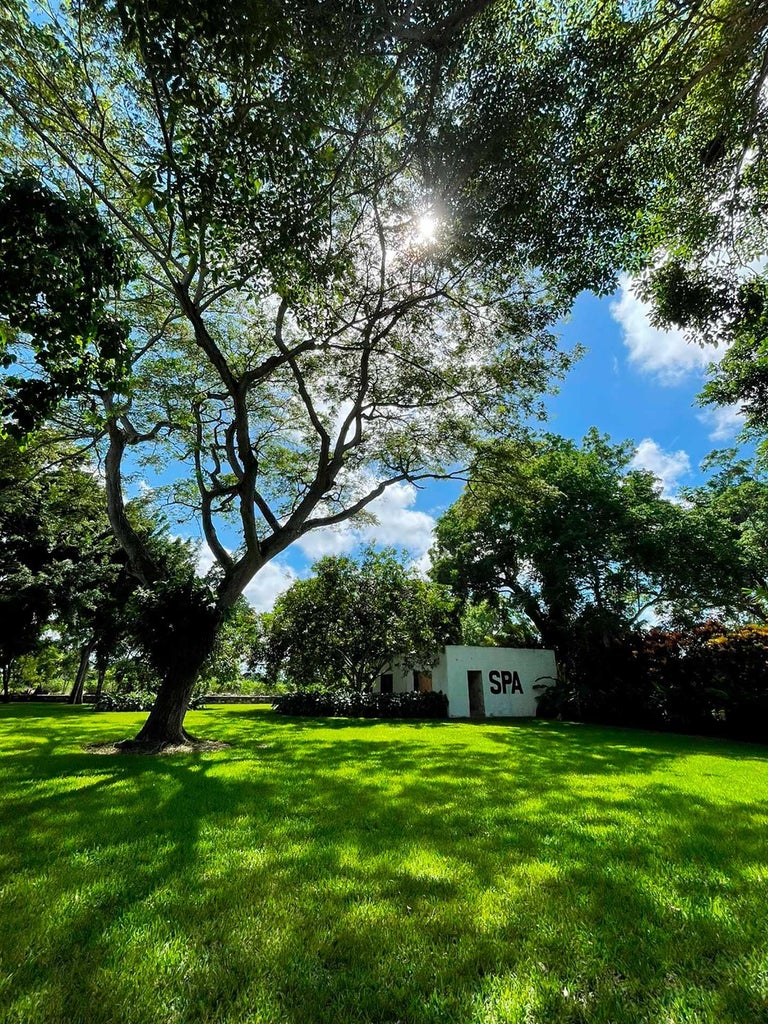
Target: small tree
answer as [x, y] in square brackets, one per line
[347, 622]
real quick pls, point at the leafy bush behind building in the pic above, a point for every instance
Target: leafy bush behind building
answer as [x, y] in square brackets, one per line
[704, 679]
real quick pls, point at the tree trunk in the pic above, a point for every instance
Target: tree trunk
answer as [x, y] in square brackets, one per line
[165, 725]
[557, 637]
[101, 671]
[6, 682]
[76, 693]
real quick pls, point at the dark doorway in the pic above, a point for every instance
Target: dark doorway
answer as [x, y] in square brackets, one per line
[476, 696]
[386, 683]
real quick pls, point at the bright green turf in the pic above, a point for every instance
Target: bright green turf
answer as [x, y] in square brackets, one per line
[339, 871]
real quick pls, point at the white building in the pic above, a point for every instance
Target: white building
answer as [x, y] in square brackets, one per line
[480, 682]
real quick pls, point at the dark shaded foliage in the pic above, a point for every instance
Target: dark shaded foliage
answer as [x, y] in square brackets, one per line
[59, 268]
[702, 680]
[175, 616]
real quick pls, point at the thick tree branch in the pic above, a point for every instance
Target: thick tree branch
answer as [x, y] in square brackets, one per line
[139, 558]
[218, 550]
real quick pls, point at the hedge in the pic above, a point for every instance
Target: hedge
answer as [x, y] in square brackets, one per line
[345, 704]
[139, 700]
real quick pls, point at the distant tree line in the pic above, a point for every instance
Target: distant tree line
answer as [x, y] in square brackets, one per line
[655, 605]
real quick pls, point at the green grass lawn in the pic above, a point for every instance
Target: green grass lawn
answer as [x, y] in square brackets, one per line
[341, 871]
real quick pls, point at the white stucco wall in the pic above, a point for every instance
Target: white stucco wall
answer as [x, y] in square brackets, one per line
[531, 668]
[518, 668]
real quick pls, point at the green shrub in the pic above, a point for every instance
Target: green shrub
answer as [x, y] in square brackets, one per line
[135, 700]
[348, 704]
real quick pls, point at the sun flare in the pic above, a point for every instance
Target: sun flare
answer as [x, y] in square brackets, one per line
[426, 228]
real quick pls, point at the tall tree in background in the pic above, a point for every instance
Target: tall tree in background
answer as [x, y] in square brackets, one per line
[343, 625]
[58, 558]
[574, 538]
[736, 494]
[232, 657]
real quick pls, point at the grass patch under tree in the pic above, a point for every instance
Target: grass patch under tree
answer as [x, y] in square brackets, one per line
[349, 871]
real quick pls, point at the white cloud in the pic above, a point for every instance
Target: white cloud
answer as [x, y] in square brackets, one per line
[268, 584]
[205, 559]
[669, 467]
[397, 524]
[328, 540]
[422, 565]
[724, 422]
[666, 355]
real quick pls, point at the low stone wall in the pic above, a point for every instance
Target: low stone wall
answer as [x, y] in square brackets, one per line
[90, 698]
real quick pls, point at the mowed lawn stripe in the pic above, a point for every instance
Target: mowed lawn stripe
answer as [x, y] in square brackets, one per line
[347, 871]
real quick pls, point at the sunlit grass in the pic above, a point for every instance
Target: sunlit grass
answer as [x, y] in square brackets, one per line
[339, 871]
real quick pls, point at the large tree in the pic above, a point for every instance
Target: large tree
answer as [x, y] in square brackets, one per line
[736, 494]
[573, 537]
[299, 344]
[350, 226]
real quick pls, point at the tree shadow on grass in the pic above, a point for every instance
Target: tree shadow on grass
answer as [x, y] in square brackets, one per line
[342, 874]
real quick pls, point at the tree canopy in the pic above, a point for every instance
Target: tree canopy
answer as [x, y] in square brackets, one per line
[704, 240]
[59, 267]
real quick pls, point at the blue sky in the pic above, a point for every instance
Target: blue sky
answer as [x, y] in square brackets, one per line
[634, 383]
[640, 384]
